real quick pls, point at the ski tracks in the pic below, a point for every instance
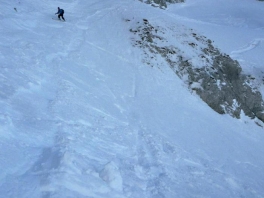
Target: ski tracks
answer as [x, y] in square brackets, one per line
[252, 64]
[250, 46]
[150, 171]
[159, 165]
[149, 166]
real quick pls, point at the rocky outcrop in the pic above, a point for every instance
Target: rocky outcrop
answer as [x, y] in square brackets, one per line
[214, 76]
[161, 3]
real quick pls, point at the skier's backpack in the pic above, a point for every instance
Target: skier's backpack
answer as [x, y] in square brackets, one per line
[62, 11]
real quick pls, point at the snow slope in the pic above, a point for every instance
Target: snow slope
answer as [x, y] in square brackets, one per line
[235, 26]
[82, 116]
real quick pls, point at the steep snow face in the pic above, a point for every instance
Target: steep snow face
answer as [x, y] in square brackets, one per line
[235, 27]
[82, 116]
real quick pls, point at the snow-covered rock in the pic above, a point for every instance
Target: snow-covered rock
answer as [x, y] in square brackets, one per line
[214, 76]
[161, 3]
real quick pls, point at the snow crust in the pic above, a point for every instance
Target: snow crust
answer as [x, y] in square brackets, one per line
[82, 116]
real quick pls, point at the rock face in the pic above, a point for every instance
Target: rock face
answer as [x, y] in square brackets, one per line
[226, 90]
[161, 3]
[214, 76]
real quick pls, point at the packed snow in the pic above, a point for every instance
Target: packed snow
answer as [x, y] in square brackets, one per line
[82, 116]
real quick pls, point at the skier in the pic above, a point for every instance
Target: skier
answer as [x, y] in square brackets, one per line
[60, 13]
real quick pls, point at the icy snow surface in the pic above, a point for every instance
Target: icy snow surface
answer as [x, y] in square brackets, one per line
[82, 116]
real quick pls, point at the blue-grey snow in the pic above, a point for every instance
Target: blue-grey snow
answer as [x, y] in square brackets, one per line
[82, 116]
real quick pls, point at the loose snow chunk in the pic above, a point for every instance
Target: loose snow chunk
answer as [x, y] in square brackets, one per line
[196, 85]
[235, 104]
[112, 176]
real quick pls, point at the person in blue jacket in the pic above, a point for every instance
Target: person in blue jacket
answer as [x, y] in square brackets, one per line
[60, 13]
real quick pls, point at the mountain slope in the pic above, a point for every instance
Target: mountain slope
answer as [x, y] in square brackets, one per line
[82, 116]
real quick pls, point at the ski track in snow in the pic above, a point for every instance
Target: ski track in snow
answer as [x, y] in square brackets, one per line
[252, 45]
